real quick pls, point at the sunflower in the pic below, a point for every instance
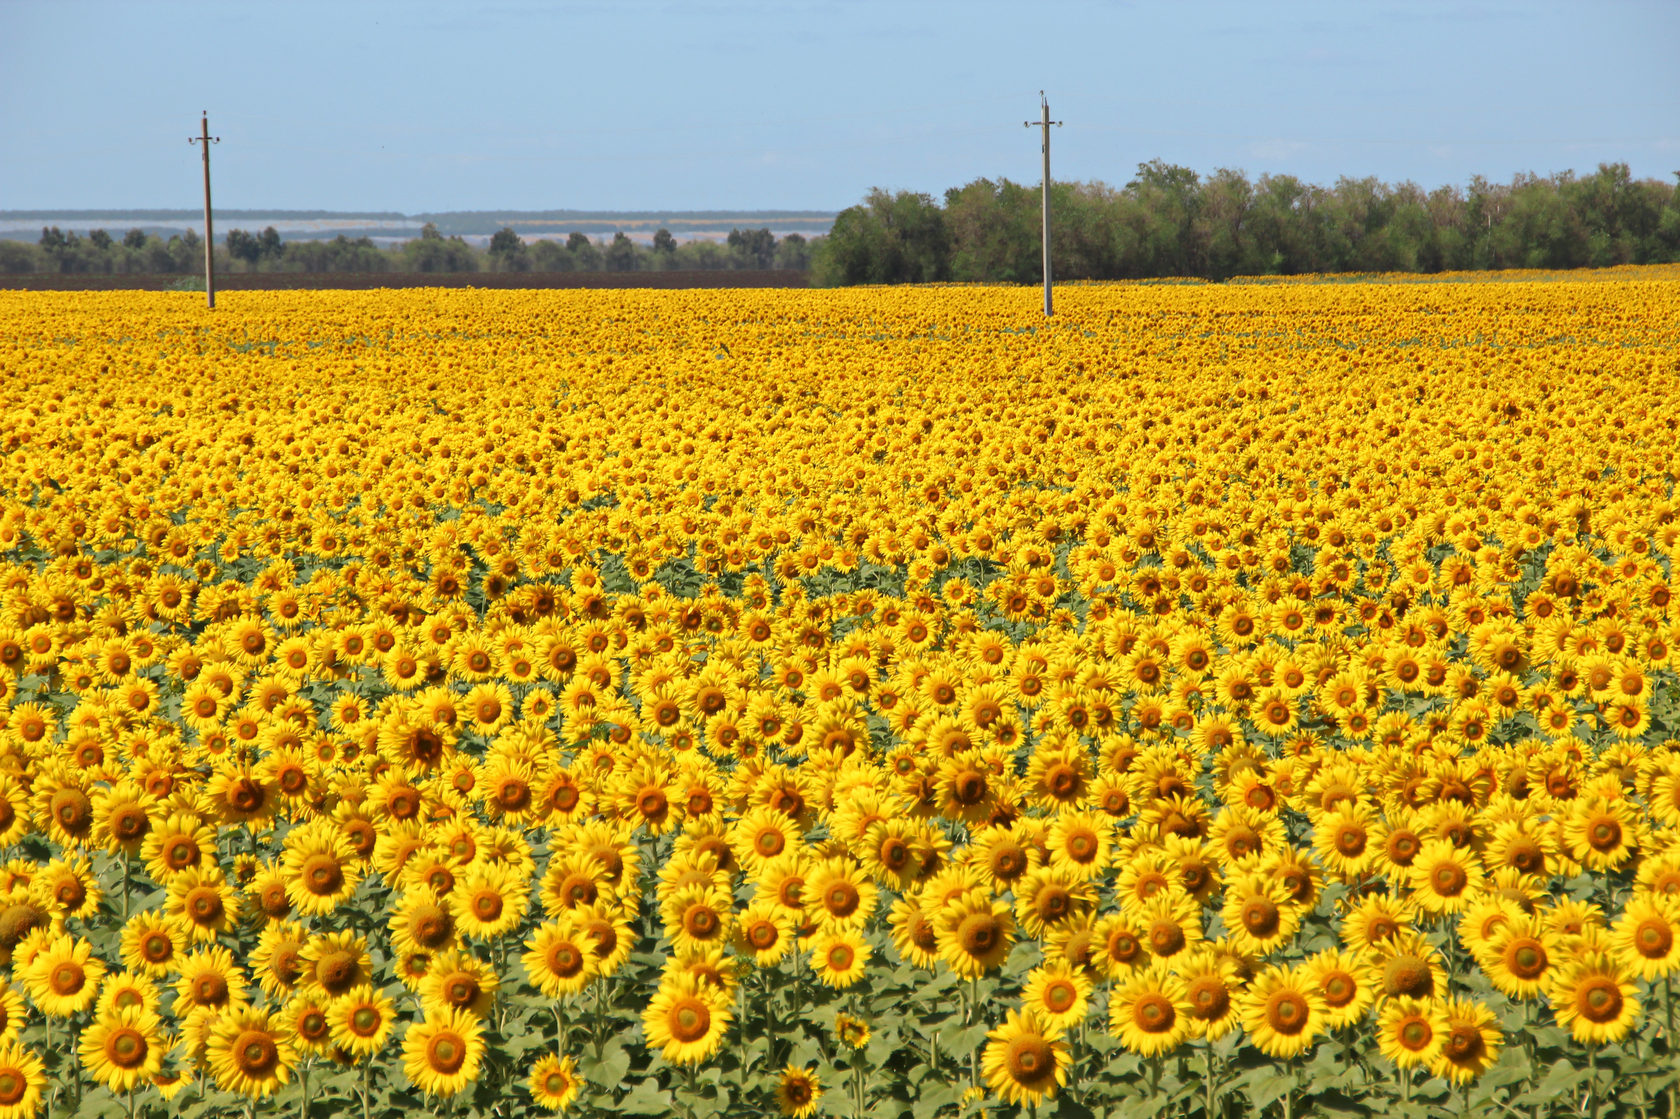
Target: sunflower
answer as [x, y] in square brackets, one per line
[121, 990]
[202, 902]
[839, 896]
[761, 835]
[1058, 992]
[360, 1021]
[1283, 1012]
[1375, 919]
[1150, 1011]
[697, 917]
[798, 1091]
[1646, 937]
[208, 979]
[1079, 843]
[850, 1030]
[914, 933]
[305, 1015]
[1408, 966]
[441, 1052]
[251, 1053]
[559, 958]
[1472, 1044]
[459, 982]
[1210, 981]
[1343, 840]
[1170, 923]
[686, 1020]
[1595, 997]
[1004, 854]
[1046, 897]
[607, 932]
[839, 957]
[1412, 1032]
[765, 932]
[1443, 878]
[974, 933]
[67, 888]
[123, 1046]
[12, 1014]
[554, 1082]
[21, 1081]
[181, 842]
[122, 816]
[1601, 833]
[489, 899]
[333, 963]
[62, 978]
[420, 921]
[1025, 1060]
[151, 943]
[1344, 980]
[318, 867]
[1258, 913]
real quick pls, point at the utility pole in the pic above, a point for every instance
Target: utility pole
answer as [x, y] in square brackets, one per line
[204, 140]
[1045, 122]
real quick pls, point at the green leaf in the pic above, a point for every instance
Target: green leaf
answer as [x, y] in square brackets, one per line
[610, 1068]
[1069, 1108]
[646, 1098]
[1267, 1088]
[930, 1103]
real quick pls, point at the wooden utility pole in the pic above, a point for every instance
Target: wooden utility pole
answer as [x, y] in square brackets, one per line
[1045, 122]
[204, 140]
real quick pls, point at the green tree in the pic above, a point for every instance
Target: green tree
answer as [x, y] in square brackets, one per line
[507, 251]
[242, 246]
[793, 253]
[621, 254]
[994, 228]
[890, 239]
[753, 248]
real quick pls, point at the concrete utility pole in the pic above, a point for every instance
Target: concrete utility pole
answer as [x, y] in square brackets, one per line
[1045, 124]
[204, 140]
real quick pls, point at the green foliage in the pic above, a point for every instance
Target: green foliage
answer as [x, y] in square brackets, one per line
[1170, 221]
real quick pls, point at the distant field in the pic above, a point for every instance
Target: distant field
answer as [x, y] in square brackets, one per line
[267, 281]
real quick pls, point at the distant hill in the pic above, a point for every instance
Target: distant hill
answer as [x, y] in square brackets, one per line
[473, 225]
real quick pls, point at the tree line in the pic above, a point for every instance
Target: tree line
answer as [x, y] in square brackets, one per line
[1166, 221]
[1170, 221]
[243, 251]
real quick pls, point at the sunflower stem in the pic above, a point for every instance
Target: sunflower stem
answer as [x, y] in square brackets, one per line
[974, 1053]
[1668, 1001]
[1211, 1085]
[367, 1084]
[126, 858]
[857, 1081]
[303, 1083]
[1592, 1080]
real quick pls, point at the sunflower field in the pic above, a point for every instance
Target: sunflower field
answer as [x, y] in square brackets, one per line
[1215, 701]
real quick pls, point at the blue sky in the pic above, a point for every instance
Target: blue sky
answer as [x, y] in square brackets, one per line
[697, 104]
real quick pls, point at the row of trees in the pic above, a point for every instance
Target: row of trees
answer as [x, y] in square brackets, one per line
[243, 251]
[1167, 221]
[1170, 221]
